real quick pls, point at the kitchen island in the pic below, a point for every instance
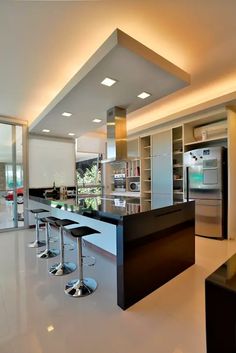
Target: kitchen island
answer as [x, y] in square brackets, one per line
[152, 247]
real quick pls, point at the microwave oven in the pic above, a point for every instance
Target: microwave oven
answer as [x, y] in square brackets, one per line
[134, 186]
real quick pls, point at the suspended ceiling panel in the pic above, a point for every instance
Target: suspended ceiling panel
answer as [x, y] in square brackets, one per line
[135, 67]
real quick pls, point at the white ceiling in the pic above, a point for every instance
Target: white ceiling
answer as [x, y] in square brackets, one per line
[44, 43]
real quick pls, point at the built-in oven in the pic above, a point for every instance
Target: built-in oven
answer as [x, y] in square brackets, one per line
[119, 182]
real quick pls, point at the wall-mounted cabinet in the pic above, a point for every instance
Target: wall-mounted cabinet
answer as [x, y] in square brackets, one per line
[161, 167]
[133, 148]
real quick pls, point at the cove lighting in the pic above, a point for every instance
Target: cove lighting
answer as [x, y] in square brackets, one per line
[97, 120]
[108, 82]
[71, 134]
[66, 114]
[144, 95]
[45, 130]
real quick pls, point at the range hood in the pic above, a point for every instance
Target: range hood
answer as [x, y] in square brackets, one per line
[116, 135]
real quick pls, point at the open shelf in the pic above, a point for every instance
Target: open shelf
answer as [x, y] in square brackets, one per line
[178, 168]
[177, 140]
[216, 139]
[146, 165]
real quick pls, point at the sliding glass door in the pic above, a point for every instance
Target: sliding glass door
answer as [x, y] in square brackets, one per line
[11, 176]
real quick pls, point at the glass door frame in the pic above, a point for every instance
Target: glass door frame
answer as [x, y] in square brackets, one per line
[24, 124]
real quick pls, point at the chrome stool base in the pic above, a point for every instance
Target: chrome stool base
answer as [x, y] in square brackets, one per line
[46, 254]
[60, 269]
[80, 288]
[37, 244]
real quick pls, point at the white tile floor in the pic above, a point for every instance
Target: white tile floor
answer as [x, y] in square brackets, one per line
[170, 320]
[6, 213]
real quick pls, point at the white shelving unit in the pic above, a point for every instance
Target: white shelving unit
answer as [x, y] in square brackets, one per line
[178, 161]
[146, 167]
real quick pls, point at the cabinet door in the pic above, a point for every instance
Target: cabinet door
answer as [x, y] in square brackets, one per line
[133, 148]
[162, 163]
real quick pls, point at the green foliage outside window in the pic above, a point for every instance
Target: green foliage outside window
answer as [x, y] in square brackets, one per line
[89, 181]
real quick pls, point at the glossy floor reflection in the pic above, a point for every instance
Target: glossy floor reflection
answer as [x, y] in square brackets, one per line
[37, 317]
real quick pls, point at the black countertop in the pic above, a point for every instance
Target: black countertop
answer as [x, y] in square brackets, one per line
[115, 207]
[225, 275]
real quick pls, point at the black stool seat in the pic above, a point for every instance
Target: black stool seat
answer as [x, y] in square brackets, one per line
[48, 219]
[65, 222]
[52, 220]
[82, 231]
[38, 210]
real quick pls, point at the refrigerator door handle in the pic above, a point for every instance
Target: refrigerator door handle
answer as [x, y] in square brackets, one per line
[187, 183]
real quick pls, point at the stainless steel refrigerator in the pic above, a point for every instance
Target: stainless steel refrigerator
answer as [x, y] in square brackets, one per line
[206, 183]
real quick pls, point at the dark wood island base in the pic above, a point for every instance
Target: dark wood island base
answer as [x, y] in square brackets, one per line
[152, 248]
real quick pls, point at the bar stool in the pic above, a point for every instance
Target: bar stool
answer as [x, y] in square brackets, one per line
[37, 243]
[48, 253]
[62, 268]
[82, 286]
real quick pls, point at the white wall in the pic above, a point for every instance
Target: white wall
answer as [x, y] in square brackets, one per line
[51, 160]
[92, 143]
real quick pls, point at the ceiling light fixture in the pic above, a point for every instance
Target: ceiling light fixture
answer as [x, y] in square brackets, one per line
[66, 114]
[45, 130]
[144, 95]
[108, 82]
[97, 120]
[71, 134]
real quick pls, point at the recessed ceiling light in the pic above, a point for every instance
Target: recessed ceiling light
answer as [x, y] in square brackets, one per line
[108, 82]
[144, 95]
[97, 120]
[66, 114]
[45, 130]
[71, 134]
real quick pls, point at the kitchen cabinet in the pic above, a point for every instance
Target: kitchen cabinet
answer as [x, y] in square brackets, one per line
[162, 166]
[133, 148]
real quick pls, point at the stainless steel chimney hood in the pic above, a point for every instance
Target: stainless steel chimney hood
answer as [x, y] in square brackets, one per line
[116, 135]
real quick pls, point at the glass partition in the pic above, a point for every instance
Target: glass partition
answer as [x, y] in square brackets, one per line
[11, 177]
